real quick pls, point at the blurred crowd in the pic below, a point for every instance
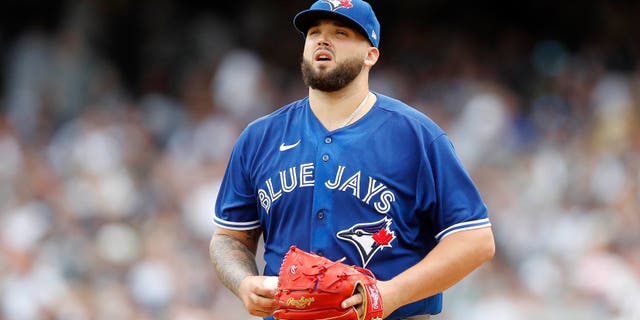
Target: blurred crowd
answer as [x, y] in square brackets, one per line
[107, 193]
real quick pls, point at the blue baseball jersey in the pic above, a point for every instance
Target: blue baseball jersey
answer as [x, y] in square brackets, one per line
[381, 192]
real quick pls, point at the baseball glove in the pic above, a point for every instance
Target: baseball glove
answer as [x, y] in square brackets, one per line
[313, 287]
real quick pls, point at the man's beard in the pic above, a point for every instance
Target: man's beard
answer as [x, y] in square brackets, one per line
[330, 81]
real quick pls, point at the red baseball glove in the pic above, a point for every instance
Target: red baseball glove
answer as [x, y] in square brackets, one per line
[313, 287]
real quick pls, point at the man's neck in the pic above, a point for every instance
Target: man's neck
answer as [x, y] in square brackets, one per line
[333, 109]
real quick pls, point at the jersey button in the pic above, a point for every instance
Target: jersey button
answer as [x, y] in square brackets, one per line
[327, 140]
[320, 214]
[325, 157]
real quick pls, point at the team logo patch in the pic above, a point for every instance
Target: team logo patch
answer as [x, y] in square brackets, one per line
[369, 238]
[336, 4]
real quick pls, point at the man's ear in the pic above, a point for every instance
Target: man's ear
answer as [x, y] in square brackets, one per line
[372, 56]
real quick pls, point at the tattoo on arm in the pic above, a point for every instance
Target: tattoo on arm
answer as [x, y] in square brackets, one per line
[233, 260]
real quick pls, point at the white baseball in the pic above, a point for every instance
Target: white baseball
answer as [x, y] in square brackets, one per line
[271, 282]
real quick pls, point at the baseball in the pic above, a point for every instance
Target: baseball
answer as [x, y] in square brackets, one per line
[271, 282]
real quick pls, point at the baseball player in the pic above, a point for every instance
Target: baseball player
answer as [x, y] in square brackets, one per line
[350, 173]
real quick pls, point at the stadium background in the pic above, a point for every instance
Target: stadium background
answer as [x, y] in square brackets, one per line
[117, 117]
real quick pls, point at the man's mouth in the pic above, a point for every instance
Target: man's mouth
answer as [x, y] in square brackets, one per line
[323, 55]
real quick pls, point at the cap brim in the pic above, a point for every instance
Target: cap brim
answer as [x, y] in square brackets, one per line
[305, 19]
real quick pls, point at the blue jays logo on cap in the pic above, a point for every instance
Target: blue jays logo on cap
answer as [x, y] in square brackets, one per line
[355, 13]
[335, 4]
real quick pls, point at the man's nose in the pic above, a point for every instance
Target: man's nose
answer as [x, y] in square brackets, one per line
[323, 39]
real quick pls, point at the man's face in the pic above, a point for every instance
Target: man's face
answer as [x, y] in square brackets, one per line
[333, 56]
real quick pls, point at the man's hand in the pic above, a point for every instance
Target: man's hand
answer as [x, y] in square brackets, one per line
[388, 301]
[257, 299]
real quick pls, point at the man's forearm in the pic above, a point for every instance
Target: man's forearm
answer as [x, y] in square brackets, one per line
[232, 260]
[451, 260]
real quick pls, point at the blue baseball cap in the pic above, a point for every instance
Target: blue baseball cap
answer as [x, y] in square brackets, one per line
[355, 13]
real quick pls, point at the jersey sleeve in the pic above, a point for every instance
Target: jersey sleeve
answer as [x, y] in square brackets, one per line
[236, 206]
[459, 205]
